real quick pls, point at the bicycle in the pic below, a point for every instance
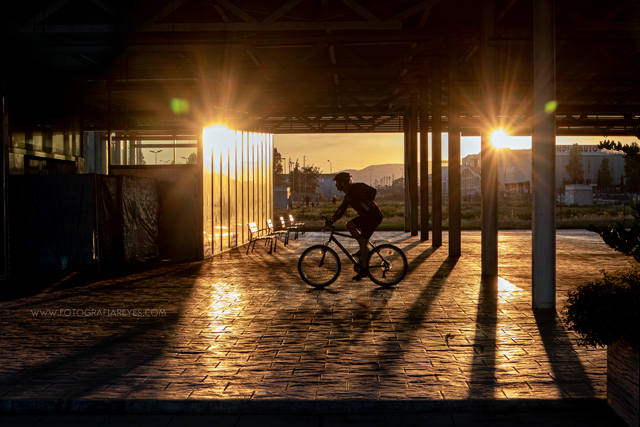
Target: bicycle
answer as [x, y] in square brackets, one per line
[319, 265]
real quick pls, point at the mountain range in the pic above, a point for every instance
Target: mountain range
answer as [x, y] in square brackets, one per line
[373, 172]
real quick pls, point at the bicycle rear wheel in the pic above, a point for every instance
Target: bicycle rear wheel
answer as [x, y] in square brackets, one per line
[387, 265]
[319, 266]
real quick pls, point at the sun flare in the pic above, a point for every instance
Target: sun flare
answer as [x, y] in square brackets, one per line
[500, 138]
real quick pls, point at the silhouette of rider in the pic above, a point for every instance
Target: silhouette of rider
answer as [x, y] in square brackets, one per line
[360, 197]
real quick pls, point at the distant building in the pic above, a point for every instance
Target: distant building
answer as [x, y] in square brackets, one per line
[326, 187]
[514, 169]
[470, 175]
[280, 195]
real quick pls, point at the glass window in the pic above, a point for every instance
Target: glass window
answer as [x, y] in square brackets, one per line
[237, 188]
[207, 195]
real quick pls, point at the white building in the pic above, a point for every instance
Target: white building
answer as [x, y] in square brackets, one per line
[514, 169]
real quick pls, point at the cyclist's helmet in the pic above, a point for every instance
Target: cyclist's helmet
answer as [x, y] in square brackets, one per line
[342, 177]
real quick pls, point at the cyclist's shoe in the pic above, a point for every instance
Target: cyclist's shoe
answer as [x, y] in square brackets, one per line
[356, 254]
[364, 272]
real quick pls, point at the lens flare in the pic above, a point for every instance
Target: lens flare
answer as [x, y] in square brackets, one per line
[500, 138]
[550, 107]
[179, 106]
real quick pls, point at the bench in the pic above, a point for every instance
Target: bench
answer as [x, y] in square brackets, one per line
[256, 234]
[297, 226]
[278, 233]
[288, 228]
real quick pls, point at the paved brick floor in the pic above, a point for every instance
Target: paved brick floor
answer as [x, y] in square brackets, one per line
[241, 326]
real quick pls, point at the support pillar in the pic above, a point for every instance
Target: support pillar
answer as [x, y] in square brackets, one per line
[407, 161]
[4, 170]
[413, 168]
[543, 156]
[109, 132]
[488, 154]
[436, 149]
[424, 160]
[455, 224]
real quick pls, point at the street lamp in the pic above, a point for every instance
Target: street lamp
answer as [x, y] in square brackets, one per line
[330, 167]
[156, 153]
[369, 176]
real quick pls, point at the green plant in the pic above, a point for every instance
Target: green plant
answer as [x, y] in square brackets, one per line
[621, 236]
[606, 310]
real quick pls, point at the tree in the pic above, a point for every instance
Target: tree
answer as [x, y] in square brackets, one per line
[294, 177]
[278, 169]
[605, 178]
[300, 176]
[632, 173]
[310, 178]
[192, 159]
[574, 168]
[622, 236]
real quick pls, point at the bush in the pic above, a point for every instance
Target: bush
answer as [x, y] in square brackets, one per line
[606, 310]
[621, 236]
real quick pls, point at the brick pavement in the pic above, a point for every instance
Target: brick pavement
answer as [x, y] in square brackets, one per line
[247, 327]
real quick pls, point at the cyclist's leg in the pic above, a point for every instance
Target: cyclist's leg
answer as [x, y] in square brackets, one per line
[353, 226]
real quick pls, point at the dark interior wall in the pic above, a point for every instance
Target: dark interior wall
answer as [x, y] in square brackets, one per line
[180, 236]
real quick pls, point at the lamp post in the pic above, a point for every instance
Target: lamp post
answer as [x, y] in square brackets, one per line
[330, 167]
[369, 176]
[156, 153]
[186, 159]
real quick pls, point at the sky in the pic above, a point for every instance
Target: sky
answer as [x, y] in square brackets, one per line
[334, 152]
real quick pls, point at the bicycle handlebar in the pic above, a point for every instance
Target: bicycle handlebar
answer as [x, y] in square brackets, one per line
[328, 223]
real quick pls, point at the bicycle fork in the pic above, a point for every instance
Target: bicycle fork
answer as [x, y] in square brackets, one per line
[324, 253]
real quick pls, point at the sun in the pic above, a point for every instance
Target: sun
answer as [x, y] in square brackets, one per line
[500, 138]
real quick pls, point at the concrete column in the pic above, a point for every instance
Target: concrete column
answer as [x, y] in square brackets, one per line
[543, 156]
[407, 161]
[413, 171]
[109, 131]
[424, 160]
[117, 155]
[103, 154]
[4, 170]
[436, 148]
[455, 225]
[488, 154]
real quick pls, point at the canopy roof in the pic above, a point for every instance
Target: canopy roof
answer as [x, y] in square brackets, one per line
[304, 66]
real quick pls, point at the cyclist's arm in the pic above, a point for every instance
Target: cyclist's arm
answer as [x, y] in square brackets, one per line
[341, 210]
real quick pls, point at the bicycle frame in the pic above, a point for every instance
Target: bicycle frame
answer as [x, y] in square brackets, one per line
[337, 242]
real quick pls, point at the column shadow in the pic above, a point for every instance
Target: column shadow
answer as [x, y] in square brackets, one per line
[126, 344]
[569, 374]
[482, 382]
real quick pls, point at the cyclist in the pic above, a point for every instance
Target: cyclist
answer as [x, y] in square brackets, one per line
[360, 197]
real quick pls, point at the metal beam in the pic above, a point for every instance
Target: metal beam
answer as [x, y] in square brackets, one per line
[205, 27]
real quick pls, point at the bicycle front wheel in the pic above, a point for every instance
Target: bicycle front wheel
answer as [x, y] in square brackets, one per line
[319, 266]
[387, 265]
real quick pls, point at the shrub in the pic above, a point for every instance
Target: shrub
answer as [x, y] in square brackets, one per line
[606, 310]
[621, 236]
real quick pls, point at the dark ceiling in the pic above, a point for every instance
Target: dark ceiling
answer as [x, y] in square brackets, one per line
[308, 65]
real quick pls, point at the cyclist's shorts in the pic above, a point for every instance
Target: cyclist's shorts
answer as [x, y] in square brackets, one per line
[367, 224]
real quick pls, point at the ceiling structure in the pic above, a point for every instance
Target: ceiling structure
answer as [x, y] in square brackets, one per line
[307, 66]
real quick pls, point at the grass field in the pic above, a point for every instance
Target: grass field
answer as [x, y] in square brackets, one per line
[512, 215]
